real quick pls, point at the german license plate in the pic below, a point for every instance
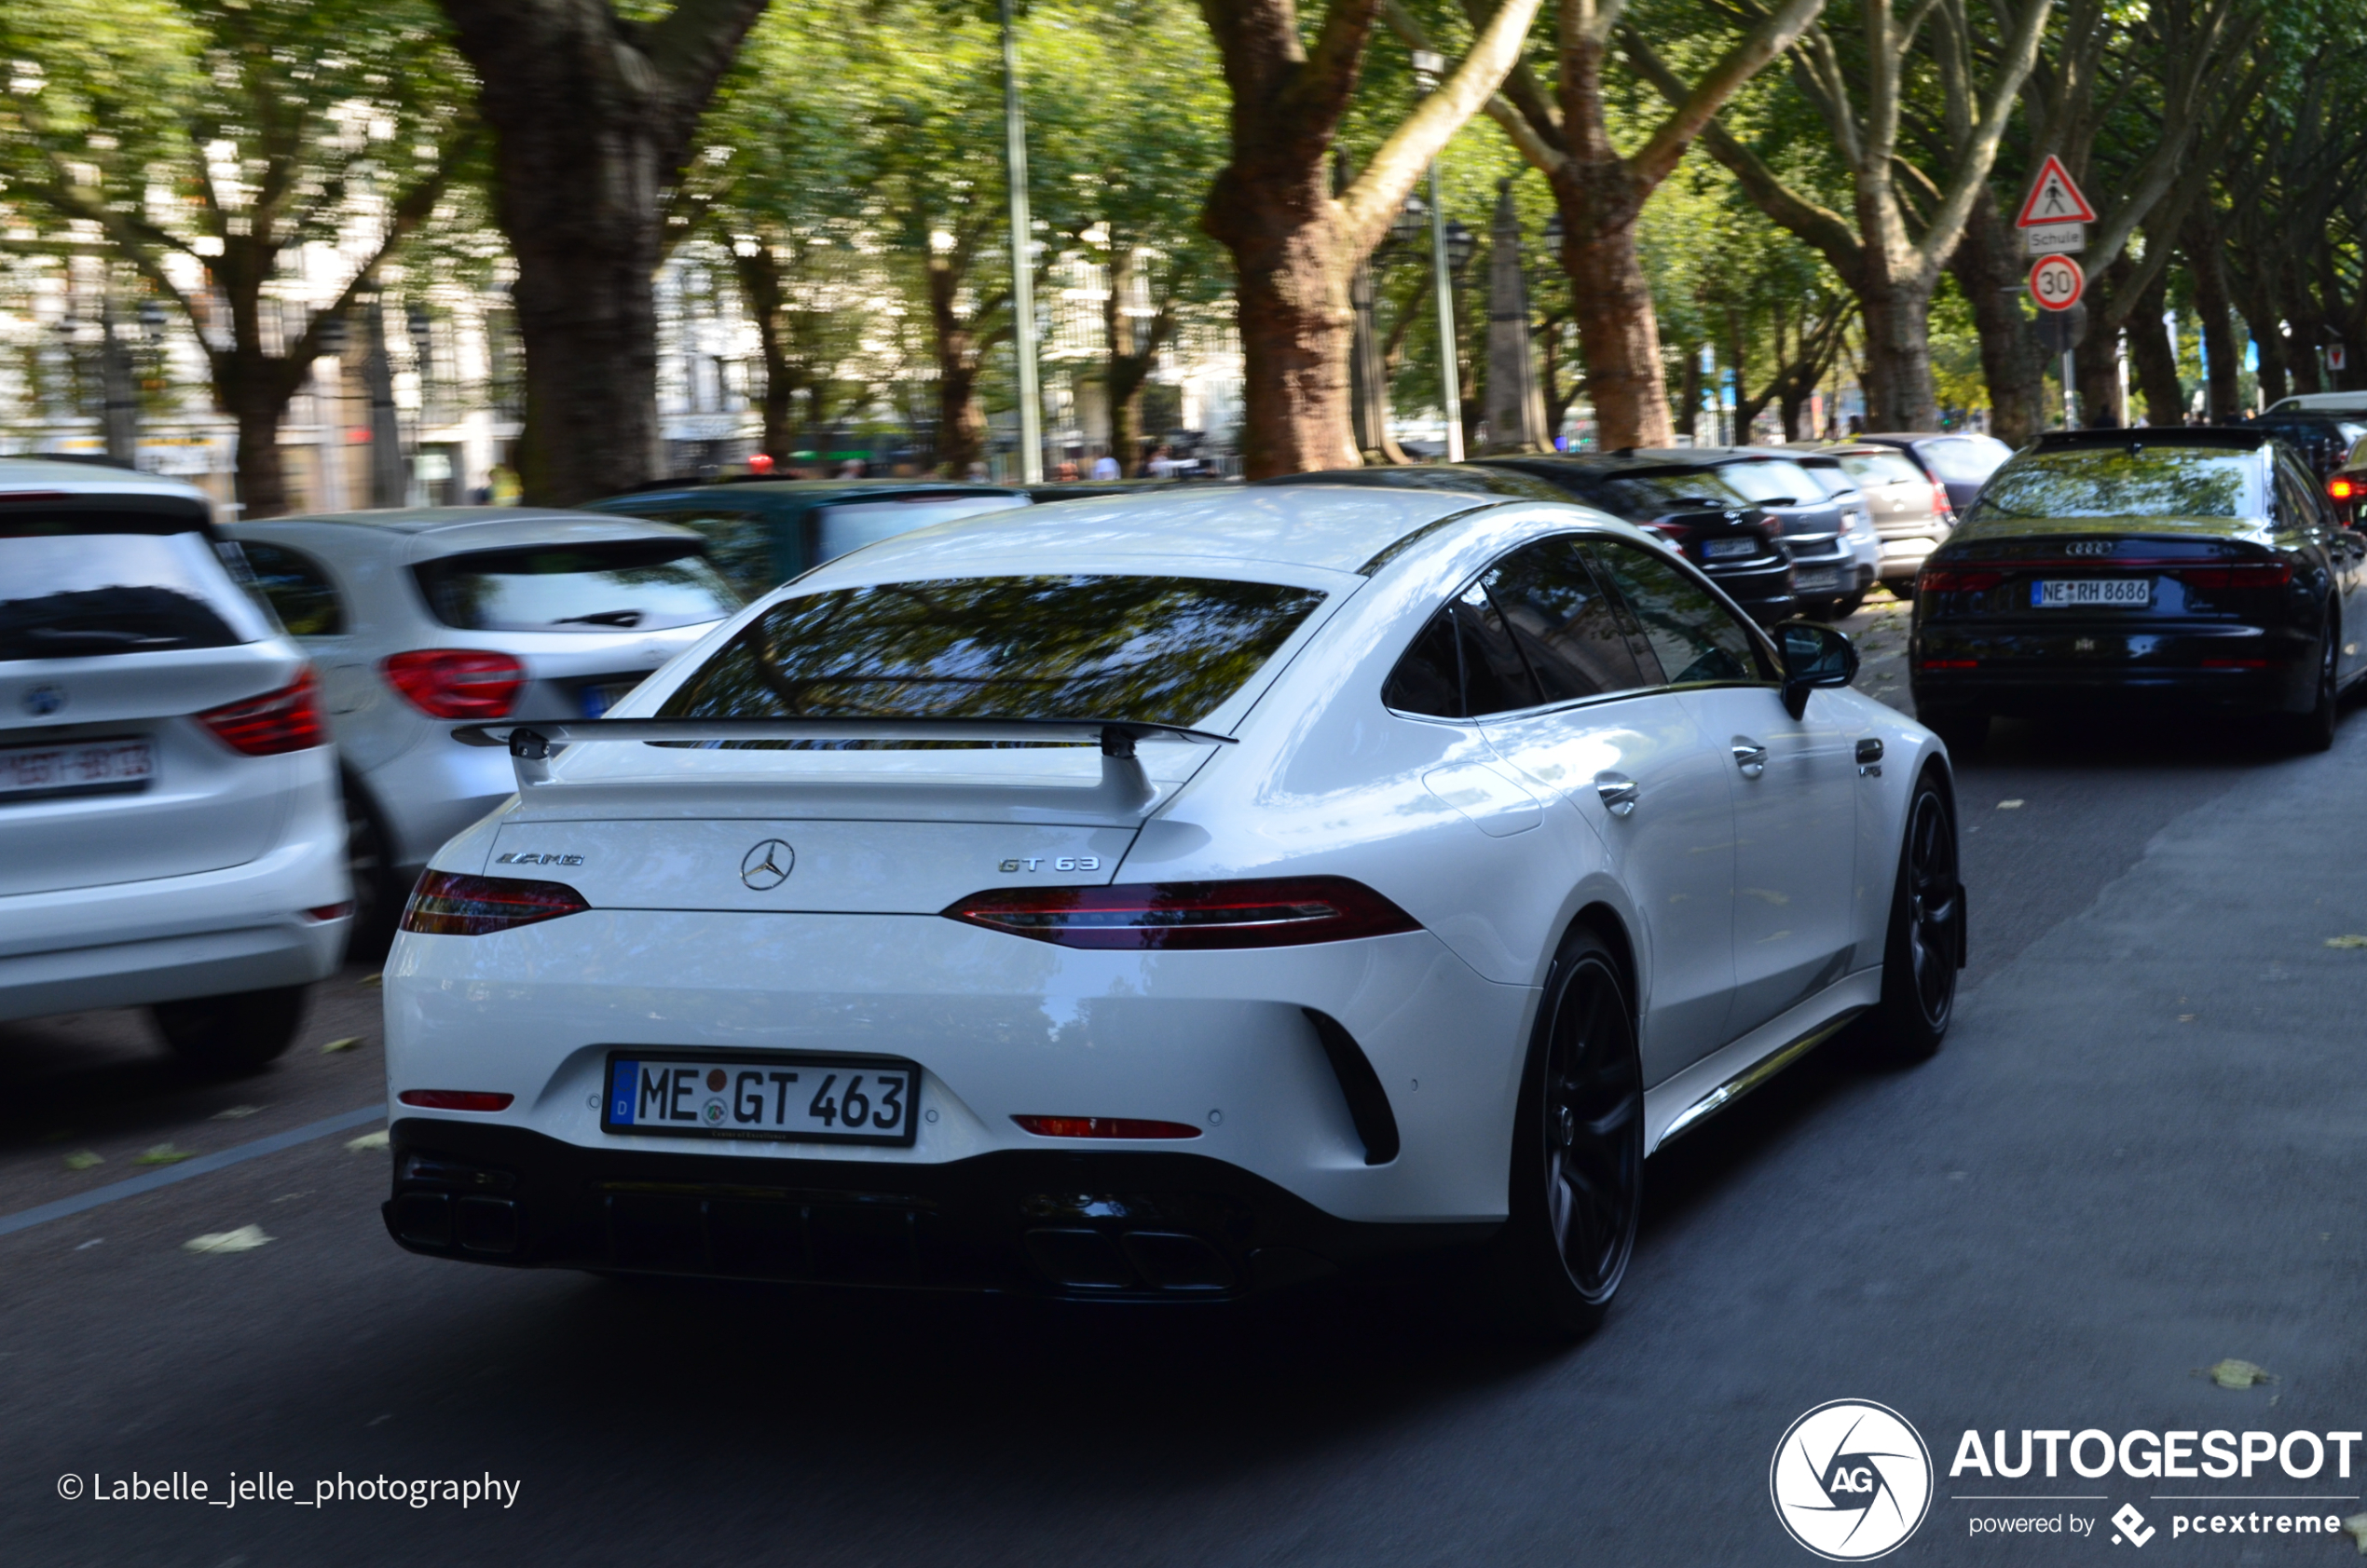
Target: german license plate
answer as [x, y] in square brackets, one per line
[809, 1100]
[1819, 581]
[2059, 593]
[1719, 550]
[77, 767]
[600, 696]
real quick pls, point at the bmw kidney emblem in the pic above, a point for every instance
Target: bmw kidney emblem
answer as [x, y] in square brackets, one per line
[42, 701]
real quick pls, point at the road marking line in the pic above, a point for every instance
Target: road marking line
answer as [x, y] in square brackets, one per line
[11, 1223]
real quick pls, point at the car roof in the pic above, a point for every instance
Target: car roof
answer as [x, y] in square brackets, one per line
[2327, 402]
[444, 530]
[1328, 527]
[2226, 437]
[94, 480]
[1470, 479]
[1642, 460]
[794, 494]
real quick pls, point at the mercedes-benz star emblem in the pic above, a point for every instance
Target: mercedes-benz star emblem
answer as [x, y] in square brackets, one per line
[767, 866]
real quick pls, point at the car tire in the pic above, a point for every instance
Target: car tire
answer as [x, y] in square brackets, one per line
[378, 902]
[1575, 1196]
[232, 1034]
[2314, 731]
[1903, 592]
[1924, 945]
[1842, 607]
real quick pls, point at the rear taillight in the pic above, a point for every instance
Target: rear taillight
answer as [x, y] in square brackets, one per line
[2256, 574]
[445, 904]
[1270, 912]
[456, 683]
[2344, 489]
[1946, 579]
[1103, 1127]
[1941, 506]
[288, 719]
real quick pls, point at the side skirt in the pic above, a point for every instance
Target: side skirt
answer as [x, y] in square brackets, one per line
[1699, 1092]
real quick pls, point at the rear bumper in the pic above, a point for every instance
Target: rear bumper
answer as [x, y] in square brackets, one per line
[1764, 592]
[2220, 667]
[1130, 1224]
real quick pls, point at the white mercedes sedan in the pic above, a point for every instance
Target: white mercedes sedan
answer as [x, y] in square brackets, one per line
[1170, 896]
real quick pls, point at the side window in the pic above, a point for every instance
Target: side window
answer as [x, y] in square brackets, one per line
[299, 590]
[1695, 640]
[1464, 665]
[1563, 622]
[2298, 499]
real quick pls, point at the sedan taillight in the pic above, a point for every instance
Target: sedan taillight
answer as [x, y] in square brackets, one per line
[1269, 913]
[447, 903]
[2256, 574]
[285, 721]
[456, 683]
[1946, 579]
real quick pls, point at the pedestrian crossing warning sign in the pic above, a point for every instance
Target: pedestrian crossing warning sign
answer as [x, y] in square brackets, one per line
[2054, 198]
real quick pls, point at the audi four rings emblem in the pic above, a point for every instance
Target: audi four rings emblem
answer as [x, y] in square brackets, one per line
[767, 866]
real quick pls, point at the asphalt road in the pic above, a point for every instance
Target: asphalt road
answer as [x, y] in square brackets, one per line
[2139, 1154]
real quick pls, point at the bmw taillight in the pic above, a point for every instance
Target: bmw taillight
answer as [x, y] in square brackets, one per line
[447, 903]
[2252, 574]
[288, 719]
[2343, 489]
[1949, 579]
[1268, 912]
[456, 683]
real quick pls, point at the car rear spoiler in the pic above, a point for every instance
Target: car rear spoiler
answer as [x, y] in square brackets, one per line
[1124, 785]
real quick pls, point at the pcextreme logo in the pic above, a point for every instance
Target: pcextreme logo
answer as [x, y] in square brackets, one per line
[1851, 1480]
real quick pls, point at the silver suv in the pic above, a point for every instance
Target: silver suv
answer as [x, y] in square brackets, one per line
[422, 621]
[169, 834]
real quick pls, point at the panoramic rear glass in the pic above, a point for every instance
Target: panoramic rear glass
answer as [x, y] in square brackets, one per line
[2119, 482]
[1883, 468]
[75, 585]
[1156, 649]
[630, 585]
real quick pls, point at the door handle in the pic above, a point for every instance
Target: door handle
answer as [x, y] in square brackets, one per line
[1870, 759]
[1619, 792]
[1750, 757]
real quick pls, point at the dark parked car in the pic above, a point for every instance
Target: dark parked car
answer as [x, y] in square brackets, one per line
[2324, 441]
[762, 532]
[2198, 568]
[1469, 478]
[1958, 461]
[1710, 500]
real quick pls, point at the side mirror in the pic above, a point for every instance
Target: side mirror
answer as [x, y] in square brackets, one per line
[1814, 655]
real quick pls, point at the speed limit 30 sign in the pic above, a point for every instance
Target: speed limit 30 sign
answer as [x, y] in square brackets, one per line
[2057, 282]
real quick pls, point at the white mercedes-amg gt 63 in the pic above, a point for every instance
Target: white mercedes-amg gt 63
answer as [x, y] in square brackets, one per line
[1167, 896]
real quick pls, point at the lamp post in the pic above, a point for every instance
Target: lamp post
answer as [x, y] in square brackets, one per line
[1022, 268]
[1429, 67]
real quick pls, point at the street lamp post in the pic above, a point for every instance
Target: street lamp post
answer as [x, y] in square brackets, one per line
[1022, 268]
[1429, 67]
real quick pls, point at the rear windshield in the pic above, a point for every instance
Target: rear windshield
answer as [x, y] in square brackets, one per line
[852, 524]
[630, 585]
[1883, 468]
[2117, 482]
[1831, 477]
[1665, 490]
[78, 584]
[1155, 649]
[1966, 459]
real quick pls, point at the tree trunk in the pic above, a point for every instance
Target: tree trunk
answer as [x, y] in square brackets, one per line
[2152, 358]
[2200, 240]
[760, 288]
[961, 423]
[1899, 394]
[1689, 407]
[1619, 332]
[1988, 266]
[592, 117]
[1295, 320]
[258, 399]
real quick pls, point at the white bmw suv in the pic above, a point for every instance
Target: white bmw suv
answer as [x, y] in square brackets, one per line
[1165, 896]
[169, 831]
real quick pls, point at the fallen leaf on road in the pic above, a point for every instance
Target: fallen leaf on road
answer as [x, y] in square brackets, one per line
[246, 1238]
[2186, 1017]
[83, 1159]
[164, 1154]
[348, 1044]
[367, 1142]
[370, 980]
[235, 1113]
[2346, 941]
[2355, 1528]
[2009, 805]
[2232, 1373]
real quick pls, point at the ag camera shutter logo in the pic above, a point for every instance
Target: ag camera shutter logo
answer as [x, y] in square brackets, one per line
[1851, 1480]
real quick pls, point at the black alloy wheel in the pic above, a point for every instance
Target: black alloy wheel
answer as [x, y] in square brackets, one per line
[2315, 730]
[231, 1035]
[1926, 941]
[1577, 1150]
